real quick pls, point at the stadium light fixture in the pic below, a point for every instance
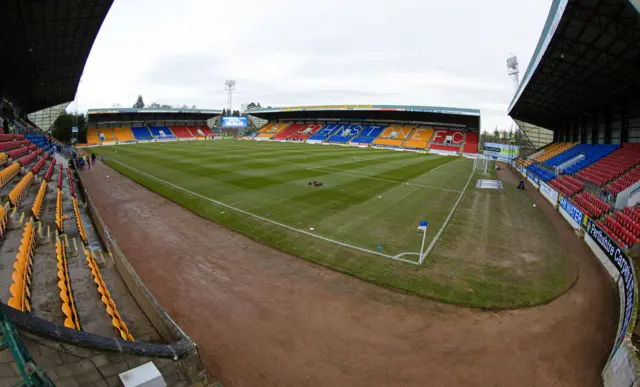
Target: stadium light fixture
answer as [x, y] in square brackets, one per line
[230, 86]
[513, 69]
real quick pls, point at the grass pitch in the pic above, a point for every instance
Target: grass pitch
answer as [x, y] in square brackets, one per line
[365, 215]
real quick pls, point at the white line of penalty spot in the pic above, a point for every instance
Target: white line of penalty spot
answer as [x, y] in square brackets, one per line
[398, 257]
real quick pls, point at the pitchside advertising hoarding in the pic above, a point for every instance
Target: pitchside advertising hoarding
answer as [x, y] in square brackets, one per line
[549, 193]
[501, 152]
[622, 263]
[234, 122]
[571, 213]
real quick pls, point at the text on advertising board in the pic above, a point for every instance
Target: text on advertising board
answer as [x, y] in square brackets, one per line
[617, 256]
[234, 122]
[572, 210]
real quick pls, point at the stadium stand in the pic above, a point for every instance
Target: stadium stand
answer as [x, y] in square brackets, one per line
[92, 136]
[471, 143]
[3, 158]
[619, 232]
[541, 173]
[305, 132]
[110, 306]
[593, 206]
[567, 185]
[419, 138]
[107, 133]
[6, 137]
[182, 132]
[623, 182]
[28, 159]
[141, 133]
[446, 140]
[205, 130]
[267, 127]
[36, 208]
[8, 173]
[20, 190]
[21, 286]
[124, 134]
[324, 133]
[282, 135]
[394, 136]
[64, 284]
[368, 134]
[609, 168]
[7, 146]
[18, 152]
[162, 133]
[553, 150]
[272, 130]
[345, 133]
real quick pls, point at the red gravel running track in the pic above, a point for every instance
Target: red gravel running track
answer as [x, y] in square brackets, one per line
[265, 318]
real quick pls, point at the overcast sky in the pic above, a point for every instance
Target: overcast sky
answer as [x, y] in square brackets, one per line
[287, 53]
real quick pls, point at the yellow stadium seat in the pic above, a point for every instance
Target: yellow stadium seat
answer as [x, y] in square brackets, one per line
[19, 191]
[123, 134]
[107, 133]
[419, 138]
[7, 174]
[394, 135]
[110, 306]
[3, 158]
[267, 127]
[92, 136]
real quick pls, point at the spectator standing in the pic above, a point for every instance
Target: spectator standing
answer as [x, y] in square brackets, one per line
[93, 159]
[5, 125]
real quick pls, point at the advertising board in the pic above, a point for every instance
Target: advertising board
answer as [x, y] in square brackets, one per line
[571, 213]
[234, 122]
[501, 152]
[533, 179]
[548, 192]
[622, 264]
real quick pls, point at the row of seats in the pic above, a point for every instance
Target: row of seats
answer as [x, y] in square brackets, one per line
[623, 182]
[626, 221]
[20, 288]
[288, 131]
[541, 173]
[623, 237]
[592, 155]
[36, 209]
[64, 284]
[553, 150]
[4, 218]
[305, 132]
[566, 190]
[59, 217]
[3, 158]
[76, 210]
[7, 146]
[36, 168]
[141, 133]
[7, 174]
[446, 148]
[393, 135]
[612, 166]
[47, 176]
[110, 306]
[368, 134]
[592, 208]
[20, 190]
[420, 138]
[471, 143]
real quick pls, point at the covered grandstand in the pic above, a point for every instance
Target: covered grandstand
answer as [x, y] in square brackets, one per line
[62, 273]
[131, 125]
[451, 131]
[583, 86]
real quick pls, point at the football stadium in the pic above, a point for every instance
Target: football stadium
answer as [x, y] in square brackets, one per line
[313, 245]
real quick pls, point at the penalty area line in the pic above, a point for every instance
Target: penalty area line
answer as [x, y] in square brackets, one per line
[444, 225]
[396, 257]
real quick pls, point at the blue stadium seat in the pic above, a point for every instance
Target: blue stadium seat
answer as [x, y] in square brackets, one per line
[592, 155]
[345, 133]
[141, 133]
[542, 173]
[162, 133]
[368, 134]
[325, 132]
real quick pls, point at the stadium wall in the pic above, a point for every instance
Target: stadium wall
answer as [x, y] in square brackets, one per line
[622, 368]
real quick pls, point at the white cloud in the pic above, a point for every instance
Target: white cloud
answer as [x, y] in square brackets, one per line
[281, 52]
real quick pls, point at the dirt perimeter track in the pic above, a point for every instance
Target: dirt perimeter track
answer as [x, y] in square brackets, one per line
[264, 318]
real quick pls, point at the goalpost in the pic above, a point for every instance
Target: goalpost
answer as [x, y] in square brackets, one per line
[481, 162]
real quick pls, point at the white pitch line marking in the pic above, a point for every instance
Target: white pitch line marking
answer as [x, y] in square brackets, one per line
[444, 225]
[268, 220]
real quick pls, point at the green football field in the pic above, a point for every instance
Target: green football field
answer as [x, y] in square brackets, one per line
[363, 219]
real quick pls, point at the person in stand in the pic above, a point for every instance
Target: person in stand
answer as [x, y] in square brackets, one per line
[5, 125]
[93, 159]
[70, 164]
